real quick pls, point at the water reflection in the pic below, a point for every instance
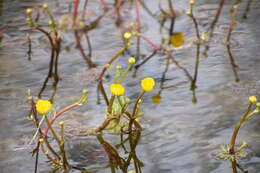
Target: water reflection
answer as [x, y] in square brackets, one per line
[181, 135]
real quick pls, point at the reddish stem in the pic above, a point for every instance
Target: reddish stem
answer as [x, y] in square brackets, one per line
[138, 23]
[118, 12]
[75, 11]
[138, 19]
[156, 47]
[54, 117]
[104, 4]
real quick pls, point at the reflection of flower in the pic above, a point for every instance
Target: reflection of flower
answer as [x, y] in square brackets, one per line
[43, 106]
[253, 99]
[147, 84]
[177, 39]
[156, 99]
[117, 89]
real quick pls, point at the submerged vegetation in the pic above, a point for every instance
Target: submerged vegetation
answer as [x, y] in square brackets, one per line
[123, 113]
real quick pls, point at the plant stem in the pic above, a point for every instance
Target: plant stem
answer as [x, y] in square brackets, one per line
[236, 129]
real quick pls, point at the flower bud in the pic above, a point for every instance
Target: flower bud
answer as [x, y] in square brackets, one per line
[29, 11]
[131, 60]
[127, 35]
[45, 6]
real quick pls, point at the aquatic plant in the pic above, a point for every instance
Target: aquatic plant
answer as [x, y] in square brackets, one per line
[116, 111]
[58, 158]
[230, 151]
[120, 117]
[54, 38]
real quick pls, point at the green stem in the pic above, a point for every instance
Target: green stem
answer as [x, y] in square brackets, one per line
[52, 130]
[110, 106]
[136, 104]
[125, 73]
[236, 129]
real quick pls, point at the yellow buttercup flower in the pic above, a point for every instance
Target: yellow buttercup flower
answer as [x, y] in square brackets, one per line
[147, 84]
[253, 99]
[43, 106]
[117, 89]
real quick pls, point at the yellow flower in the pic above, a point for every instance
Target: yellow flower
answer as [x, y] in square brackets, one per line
[127, 35]
[131, 60]
[117, 89]
[253, 99]
[147, 84]
[156, 99]
[43, 106]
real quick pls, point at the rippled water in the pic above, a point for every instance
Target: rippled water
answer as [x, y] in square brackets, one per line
[178, 136]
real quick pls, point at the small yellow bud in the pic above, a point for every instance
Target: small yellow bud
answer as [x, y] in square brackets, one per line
[253, 99]
[43, 106]
[188, 12]
[29, 11]
[118, 67]
[84, 91]
[129, 43]
[131, 60]
[148, 84]
[127, 35]
[50, 23]
[61, 123]
[117, 89]
[45, 6]
[41, 140]
[192, 2]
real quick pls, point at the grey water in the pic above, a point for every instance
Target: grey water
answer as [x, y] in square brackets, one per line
[178, 136]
